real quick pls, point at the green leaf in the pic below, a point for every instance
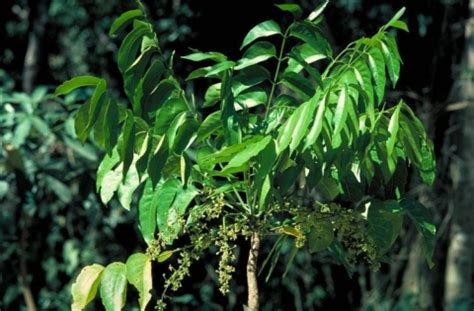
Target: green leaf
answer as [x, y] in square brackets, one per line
[317, 126]
[130, 45]
[202, 155]
[393, 21]
[251, 98]
[400, 25]
[127, 142]
[421, 216]
[128, 187]
[124, 19]
[321, 235]
[181, 132]
[393, 127]
[264, 29]
[340, 114]
[304, 116]
[384, 224]
[198, 56]
[247, 153]
[210, 70]
[84, 289]
[257, 53]
[113, 286]
[310, 34]
[166, 114]
[230, 119]
[210, 125]
[110, 184]
[299, 84]
[153, 76]
[294, 9]
[139, 275]
[185, 135]
[21, 133]
[427, 169]
[212, 96]
[172, 204]
[147, 212]
[377, 68]
[77, 82]
[219, 67]
[318, 11]
[265, 161]
[392, 60]
[164, 256]
[248, 77]
[158, 97]
[106, 165]
[314, 73]
[158, 161]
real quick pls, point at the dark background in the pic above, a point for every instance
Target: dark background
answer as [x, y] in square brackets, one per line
[46, 239]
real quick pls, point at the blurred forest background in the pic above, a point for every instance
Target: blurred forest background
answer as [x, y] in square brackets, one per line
[51, 221]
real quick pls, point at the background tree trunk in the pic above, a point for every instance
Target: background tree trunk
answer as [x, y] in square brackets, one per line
[38, 19]
[458, 282]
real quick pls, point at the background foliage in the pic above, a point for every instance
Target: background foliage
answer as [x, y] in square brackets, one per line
[49, 210]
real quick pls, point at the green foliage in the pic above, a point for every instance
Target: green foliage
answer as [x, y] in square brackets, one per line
[205, 178]
[44, 173]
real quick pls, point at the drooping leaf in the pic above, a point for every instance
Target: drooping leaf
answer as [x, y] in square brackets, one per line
[76, 82]
[377, 68]
[392, 59]
[317, 126]
[123, 20]
[423, 221]
[130, 45]
[393, 127]
[384, 224]
[340, 114]
[265, 160]
[230, 119]
[84, 289]
[139, 275]
[264, 29]
[113, 286]
[158, 161]
[127, 142]
[147, 212]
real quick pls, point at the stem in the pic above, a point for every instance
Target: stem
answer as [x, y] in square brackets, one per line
[277, 72]
[252, 284]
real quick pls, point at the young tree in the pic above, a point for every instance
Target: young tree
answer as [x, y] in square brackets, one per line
[309, 153]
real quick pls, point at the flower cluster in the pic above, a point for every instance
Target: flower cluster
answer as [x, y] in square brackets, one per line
[155, 248]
